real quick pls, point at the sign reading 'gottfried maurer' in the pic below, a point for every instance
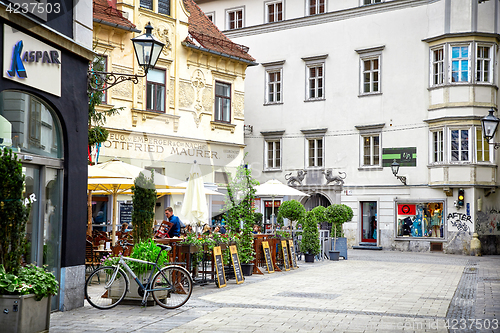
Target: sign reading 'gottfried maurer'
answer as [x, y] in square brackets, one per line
[31, 62]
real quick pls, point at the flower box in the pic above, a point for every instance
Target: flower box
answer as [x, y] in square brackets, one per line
[24, 314]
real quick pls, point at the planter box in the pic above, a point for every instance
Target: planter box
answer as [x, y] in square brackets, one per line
[341, 246]
[309, 257]
[23, 314]
[334, 255]
[247, 269]
[133, 294]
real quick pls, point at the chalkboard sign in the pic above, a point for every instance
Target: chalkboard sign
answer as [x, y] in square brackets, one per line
[267, 254]
[286, 261]
[219, 267]
[236, 264]
[292, 254]
[126, 213]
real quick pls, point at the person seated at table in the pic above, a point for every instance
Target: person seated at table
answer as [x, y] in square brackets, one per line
[217, 230]
[222, 229]
[206, 230]
[175, 230]
[188, 229]
[255, 229]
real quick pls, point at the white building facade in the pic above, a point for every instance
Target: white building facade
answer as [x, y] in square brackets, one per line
[345, 88]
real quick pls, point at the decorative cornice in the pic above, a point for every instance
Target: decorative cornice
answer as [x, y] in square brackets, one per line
[273, 63]
[222, 126]
[462, 35]
[316, 131]
[373, 127]
[148, 115]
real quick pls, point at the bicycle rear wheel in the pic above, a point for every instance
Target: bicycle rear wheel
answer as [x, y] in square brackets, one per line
[177, 287]
[102, 292]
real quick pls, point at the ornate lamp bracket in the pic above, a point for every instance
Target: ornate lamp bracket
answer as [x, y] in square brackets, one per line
[101, 81]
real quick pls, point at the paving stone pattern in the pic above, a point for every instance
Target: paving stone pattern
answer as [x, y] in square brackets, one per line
[373, 291]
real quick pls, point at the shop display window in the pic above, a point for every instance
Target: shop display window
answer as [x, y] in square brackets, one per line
[424, 219]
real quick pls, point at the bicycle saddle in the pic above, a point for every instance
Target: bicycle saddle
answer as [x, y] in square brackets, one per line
[164, 247]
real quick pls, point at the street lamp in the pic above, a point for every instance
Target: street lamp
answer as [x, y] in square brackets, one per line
[395, 170]
[147, 50]
[490, 125]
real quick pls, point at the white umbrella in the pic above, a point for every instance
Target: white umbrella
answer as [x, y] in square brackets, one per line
[275, 188]
[194, 205]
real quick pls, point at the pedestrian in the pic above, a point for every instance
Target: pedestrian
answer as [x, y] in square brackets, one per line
[175, 229]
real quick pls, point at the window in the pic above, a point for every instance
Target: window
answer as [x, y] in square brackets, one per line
[315, 84]
[371, 75]
[222, 102]
[370, 70]
[438, 66]
[273, 154]
[460, 63]
[155, 90]
[35, 128]
[234, 19]
[274, 86]
[274, 11]
[459, 145]
[371, 150]
[211, 16]
[483, 61]
[315, 152]
[437, 146]
[316, 7]
[482, 147]
[148, 4]
[369, 2]
[164, 7]
[420, 219]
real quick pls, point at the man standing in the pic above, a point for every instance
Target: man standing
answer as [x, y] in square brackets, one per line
[175, 230]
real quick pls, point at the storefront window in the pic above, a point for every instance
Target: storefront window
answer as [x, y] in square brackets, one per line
[28, 125]
[424, 219]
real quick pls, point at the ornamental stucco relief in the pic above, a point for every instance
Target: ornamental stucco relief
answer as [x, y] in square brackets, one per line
[186, 95]
[124, 89]
[171, 92]
[239, 105]
[207, 99]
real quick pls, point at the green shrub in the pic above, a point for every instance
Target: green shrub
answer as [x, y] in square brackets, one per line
[144, 201]
[310, 235]
[292, 210]
[337, 215]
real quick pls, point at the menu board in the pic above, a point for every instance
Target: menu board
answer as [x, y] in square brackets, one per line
[126, 213]
[219, 267]
[267, 255]
[292, 254]
[236, 264]
[286, 261]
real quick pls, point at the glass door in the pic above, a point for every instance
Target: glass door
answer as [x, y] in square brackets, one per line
[369, 224]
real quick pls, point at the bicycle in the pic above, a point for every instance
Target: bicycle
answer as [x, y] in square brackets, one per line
[171, 286]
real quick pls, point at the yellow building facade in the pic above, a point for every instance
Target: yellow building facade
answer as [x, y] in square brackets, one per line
[189, 108]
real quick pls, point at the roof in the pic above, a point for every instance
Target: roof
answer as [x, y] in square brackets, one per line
[204, 34]
[107, 14]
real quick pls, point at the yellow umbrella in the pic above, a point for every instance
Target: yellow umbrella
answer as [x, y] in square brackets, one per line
[111, 186]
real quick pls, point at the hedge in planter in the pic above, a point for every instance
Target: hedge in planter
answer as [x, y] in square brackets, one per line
[310, 235]
[143, 214]
[337, 215]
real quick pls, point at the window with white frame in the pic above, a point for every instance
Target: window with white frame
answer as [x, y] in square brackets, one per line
[371, 150]
[274, 86]
[211, 16]
[437, 55]
[370, 70]
[482, 147]
[316, 7]
[222, 102]
[438, 146]
[369, 2]
[234, 18]
[155, 90]
[483, 63]
[315, 77]
[274, 11]
[459, 145]
[273, 154]
[315, 147]
[460, 63]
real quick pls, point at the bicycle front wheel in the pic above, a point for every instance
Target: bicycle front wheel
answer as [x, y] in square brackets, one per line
[103, 290]
[172, 287]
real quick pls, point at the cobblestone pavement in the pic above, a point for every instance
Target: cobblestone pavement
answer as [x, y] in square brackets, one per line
[373, 291]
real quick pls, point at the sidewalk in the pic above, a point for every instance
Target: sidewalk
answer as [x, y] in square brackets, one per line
[373, 291]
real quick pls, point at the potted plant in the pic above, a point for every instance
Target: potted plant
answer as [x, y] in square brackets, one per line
[241, 194]
[292, 210]
[337, 215]
[310, 237]
[24, 291]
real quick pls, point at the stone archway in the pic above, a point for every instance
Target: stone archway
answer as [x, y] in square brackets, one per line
[315, 200]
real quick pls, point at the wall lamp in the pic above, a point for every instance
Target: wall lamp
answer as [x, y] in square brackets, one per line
[248, 129]
[490, 125]
[147, 50]
[395, 170]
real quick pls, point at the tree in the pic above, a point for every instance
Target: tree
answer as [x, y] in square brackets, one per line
[337, 215]
[310, 234]
[97, 119]
[143, 214]
[292, 210]
[13, 213]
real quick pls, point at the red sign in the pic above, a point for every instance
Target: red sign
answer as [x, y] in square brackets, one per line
[406, 209]
[270, 203]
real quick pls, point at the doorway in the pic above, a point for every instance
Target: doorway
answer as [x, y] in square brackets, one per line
[369, 223]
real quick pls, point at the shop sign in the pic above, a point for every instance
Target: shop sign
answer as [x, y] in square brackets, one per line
[270, 203]
[406, 209]
[31, 62]
[404, 156]
[154, 147]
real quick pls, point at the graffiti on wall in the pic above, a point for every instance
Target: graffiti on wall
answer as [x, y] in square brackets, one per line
[460, 222]
[488, 222]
